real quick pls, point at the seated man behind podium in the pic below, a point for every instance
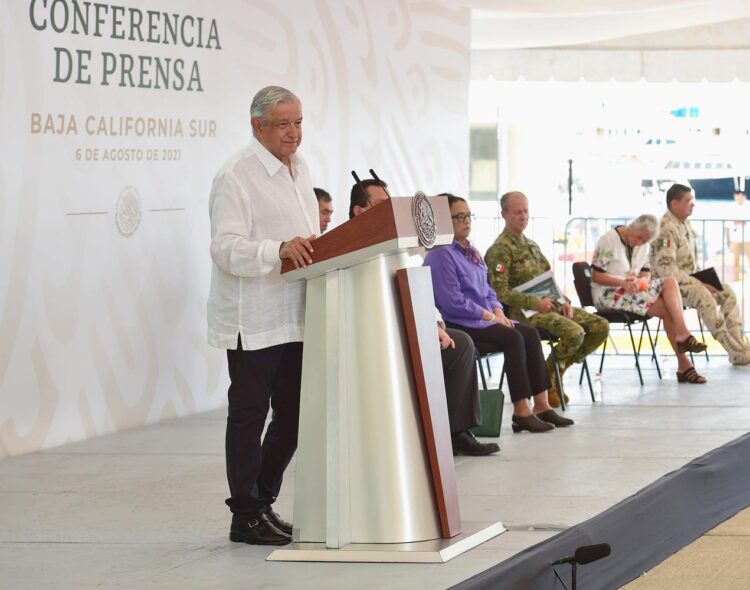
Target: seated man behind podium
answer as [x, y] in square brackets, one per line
[325, 207]
[674, 255]
[514, 259]
[456, 351]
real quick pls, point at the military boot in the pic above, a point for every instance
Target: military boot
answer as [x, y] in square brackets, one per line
[739, 337]
[738, 354]
[740, 358]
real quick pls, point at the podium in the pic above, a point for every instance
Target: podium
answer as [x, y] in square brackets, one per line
[375, 478]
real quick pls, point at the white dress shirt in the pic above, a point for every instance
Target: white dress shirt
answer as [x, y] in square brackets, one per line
[256, 204]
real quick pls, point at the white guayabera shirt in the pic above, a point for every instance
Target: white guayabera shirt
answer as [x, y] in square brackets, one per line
[256, 204]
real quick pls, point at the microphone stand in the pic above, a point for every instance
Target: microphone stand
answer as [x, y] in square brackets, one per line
[582, 556]
[362, 188]
[382, 184]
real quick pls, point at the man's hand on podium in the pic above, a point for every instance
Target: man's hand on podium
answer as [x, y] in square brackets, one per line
[445, 340]
[297, 250]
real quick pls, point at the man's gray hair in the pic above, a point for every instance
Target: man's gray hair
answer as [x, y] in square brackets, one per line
[267, 98]
[506, 197]
[646, 222]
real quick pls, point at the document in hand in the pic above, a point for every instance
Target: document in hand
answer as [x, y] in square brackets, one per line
[709, 276]
[543, 285]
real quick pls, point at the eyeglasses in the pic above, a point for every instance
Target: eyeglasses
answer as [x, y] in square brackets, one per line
[461, 217]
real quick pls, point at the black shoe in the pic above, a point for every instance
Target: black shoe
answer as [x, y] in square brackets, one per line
[257, 531]
[464, 443]
[530, 423]
[278, 522]
[553, 417]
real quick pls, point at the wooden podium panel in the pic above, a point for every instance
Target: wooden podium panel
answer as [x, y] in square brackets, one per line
[415, 286]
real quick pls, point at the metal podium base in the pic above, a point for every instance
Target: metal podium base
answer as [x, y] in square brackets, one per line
[435, 551]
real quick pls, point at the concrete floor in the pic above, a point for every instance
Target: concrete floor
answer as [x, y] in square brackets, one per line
[144, 508]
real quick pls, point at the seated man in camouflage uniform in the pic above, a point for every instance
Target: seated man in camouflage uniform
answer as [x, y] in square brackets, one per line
[514, 259]
[673, 254]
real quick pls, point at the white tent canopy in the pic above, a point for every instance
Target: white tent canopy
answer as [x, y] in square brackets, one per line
[655, 40]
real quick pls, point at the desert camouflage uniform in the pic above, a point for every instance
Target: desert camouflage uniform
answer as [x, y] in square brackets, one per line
[674, 254]
[513, 260]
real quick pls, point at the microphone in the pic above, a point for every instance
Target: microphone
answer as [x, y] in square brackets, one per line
[362, 188]
[586, 554]
[380, 182]
[590, 553]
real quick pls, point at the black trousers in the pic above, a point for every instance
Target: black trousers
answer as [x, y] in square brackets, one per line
[461, 386]
[524, 359]
[259, 379]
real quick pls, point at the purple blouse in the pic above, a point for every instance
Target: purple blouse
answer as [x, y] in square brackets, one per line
[459, 281]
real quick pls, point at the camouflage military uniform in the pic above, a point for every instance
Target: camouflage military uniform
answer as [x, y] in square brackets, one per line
[513, 260]
[674, 254]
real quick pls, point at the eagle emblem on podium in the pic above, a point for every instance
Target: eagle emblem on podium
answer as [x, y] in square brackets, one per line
[424, 219]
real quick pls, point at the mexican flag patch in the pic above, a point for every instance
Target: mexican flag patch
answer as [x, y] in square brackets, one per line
[663, 243]
[499, 268]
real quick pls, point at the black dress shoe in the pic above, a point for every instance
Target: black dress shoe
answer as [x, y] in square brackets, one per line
[257, 531]
[553, 417]
[278, 522]
[530, 423]
[464, 443]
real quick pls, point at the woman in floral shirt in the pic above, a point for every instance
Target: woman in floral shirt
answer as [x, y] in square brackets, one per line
[621, 281]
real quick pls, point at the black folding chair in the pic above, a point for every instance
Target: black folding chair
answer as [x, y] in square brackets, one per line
[483, 352]
[552, 340]
[582, 281]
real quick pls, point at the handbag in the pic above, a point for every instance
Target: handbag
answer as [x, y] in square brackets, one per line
[491, 401]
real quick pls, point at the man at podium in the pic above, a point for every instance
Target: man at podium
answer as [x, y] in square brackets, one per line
[261, 203]
[456, 352]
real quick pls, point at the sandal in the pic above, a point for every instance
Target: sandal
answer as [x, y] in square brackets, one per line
[690, 376]
[690, 344]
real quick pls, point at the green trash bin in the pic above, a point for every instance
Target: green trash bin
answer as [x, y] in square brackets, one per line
[491, 401]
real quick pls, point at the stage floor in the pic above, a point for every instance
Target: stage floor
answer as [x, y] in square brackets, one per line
[144, 508]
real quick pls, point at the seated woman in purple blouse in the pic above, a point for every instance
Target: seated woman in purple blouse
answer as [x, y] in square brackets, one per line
[467, 302]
